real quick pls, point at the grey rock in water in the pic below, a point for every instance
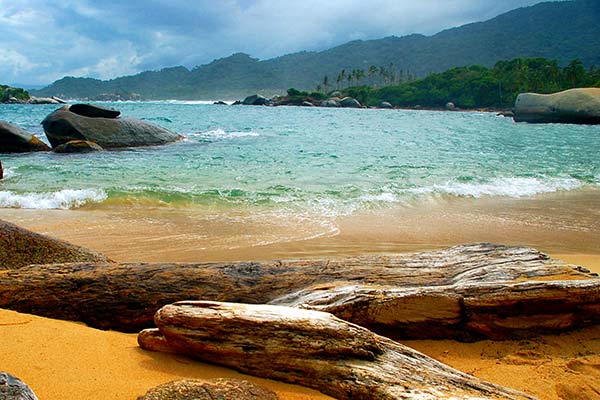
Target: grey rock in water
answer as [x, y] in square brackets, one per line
[330, 103]
[307, 104]
[450, 106]
[255, 100]
[12, 388]
[14, 139]
[221, 389]
[43, 100]
[101, 126]
[573, 106]
[78, 146]
[385, 104]
[349, 102]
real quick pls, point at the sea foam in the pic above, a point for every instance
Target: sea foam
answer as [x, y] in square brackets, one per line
[63, 199]
[503, 187]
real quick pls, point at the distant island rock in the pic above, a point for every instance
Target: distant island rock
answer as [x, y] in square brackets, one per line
[14, 139]
[103, 127]
[573, 106]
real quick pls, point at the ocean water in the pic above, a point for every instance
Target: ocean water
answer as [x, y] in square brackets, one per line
[301, 161]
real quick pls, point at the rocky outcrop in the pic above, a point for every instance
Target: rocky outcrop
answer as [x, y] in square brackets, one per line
[44, 100]
[255, 100]
[465, 292]
[313, 349]
[13, 139]
[574, 106]
[20, 247]
[12, 388]
[349, 102]
[77, 146]
[221, 389]
[385, 104]
[101, 126]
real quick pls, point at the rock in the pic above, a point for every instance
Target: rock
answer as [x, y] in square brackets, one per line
[12, 388]
[330, 103]
[307, 104]
[93, 111]
[385, 104]
[255, 100]
[20, 247]
[220, 103]
[450, 106]
[335, 93]
[1, 171]
[349, 102]
[214, 389]
[313, 349]
[13, 139]
[77, 146]
[58, 99]
[574, 106]
[14, 100]
[99, 125]
[508, 114]
[465, 292]
[42, 100]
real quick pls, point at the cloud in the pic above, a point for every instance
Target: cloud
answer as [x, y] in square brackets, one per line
[44, 40]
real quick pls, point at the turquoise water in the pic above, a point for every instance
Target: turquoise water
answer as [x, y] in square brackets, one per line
[328, 161]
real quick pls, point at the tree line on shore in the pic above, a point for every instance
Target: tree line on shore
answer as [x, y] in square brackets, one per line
[467, 87]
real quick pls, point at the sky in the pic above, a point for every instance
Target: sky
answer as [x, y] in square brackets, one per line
[44, 40]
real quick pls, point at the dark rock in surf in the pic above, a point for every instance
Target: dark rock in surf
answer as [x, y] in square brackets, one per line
[255, 100]
[349, 102]
[12, 388]
[77, 146]
[13, 139]
[103, 127]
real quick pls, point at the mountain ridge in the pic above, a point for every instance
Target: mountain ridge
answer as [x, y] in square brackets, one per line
[556, 30]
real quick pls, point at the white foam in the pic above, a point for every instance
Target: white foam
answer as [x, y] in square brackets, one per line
[505, 187]
[220, 134]
[8, 173]
[63, 199]
[385, 197]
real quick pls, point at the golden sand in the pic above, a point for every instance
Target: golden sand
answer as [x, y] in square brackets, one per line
[62, 360]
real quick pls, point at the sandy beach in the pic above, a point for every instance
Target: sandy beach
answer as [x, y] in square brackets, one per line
[64, 360]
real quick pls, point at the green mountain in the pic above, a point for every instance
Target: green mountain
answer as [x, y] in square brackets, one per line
[561, 31]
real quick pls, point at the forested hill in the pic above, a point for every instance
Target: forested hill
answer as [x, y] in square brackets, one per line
[561, 31]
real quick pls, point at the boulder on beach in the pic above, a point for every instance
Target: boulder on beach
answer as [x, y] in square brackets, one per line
[13, 139]
[307, 104]
[77, 146]
[20, 247]
[385, 104]
[12, 388]
[349, 102]
[222, 389]
[255, 100]
[573, 106]
[103, 127]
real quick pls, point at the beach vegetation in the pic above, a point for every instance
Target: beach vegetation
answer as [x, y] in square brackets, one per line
[6, 92]
[475, 86]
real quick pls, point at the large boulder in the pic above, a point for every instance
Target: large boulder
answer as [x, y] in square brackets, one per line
[103, 127]
[221, 389]
[13, 139]
[255, 100]
[349, 102]
[20, 247]
[330, 103]
[574, 106]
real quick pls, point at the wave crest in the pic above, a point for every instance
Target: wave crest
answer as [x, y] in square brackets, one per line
[64, 199]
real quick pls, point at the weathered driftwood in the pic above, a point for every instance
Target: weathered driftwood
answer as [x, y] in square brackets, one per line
[466, 292]
[313, 349]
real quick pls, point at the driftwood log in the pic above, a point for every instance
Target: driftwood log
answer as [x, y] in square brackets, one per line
[310, 348]
[466, 292]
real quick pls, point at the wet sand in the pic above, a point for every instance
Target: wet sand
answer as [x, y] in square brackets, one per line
[62, 360]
